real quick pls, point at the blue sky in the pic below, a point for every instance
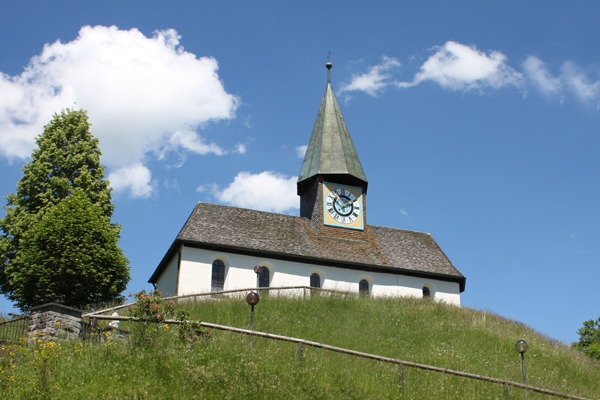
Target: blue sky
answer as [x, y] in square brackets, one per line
[477, 122]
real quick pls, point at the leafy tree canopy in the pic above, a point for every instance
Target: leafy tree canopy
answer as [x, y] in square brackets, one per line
[66, 162]
[589, 338]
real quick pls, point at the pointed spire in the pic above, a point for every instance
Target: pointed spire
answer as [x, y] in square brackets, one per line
[330, 149]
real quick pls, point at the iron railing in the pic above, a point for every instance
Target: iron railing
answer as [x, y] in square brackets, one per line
[13, 330]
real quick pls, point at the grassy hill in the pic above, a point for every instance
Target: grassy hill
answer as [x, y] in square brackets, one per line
[224, 367]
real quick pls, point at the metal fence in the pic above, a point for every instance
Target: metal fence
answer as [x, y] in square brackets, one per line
[13, 330]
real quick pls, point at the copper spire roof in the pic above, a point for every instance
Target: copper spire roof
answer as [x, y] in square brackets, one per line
[330, 149]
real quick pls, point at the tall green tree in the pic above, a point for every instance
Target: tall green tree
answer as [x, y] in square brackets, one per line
[66, 162]
[589, 338]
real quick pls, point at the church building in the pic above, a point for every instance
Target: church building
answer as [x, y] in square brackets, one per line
[330, 245]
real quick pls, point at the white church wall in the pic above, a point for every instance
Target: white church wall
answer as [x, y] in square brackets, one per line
[196, 272]
[167, 284]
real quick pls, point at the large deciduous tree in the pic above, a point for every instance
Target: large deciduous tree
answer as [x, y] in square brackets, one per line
[57, 236]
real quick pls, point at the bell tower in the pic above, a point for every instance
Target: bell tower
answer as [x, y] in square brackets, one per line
[332, 184]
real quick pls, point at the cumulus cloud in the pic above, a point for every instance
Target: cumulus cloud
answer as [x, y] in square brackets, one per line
[455, 66]
[137, 179]
[146, 97]
[266, 191]
[375, 80]
[301, 151]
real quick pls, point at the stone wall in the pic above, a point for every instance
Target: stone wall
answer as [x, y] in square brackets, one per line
[54, 320]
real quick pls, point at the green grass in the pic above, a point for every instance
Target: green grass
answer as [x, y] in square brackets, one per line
[224, 367]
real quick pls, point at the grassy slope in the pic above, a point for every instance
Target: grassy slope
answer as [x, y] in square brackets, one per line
[410, 329]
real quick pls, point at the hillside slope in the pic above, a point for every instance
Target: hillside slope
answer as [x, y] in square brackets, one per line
[224, 367]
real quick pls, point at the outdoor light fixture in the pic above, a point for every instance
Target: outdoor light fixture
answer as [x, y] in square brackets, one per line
[257, 271]
[521, 346]
[253, 298]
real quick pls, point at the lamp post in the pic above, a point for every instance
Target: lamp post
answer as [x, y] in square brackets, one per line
[253, 298]
[257, 271]
[521, 346]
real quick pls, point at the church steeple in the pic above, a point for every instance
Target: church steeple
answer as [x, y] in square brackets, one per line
[330, 149]
[332, 184]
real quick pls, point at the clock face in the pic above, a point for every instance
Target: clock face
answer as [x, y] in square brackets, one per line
[342, 205]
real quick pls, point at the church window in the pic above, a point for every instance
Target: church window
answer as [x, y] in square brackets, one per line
[315, 280]
[363, 287]
[264, 277]
[426, 292]
[218, 276]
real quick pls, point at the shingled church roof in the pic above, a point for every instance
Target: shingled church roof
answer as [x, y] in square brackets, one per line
[285, 237]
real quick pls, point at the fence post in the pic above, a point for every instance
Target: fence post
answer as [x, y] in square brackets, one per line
[94, 330]
[299, 352]
[506, 391]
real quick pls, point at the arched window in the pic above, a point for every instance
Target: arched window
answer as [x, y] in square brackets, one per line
[218, 276]
[363, 287]
[426, 292]
[264, 277]
[315, 280]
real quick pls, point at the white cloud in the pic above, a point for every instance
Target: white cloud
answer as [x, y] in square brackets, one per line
[172, 184]
[458, 67]
[136, 179]
[455, 66]
[375, 80]
[208, 187]
[145, 96]
[240, 148]
[536, 71]
[571, 78]
[266, 191]
[301, 151]
[579, 84]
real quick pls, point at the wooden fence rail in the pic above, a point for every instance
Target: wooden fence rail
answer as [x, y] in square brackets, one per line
[303, 342]
[305, 290]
